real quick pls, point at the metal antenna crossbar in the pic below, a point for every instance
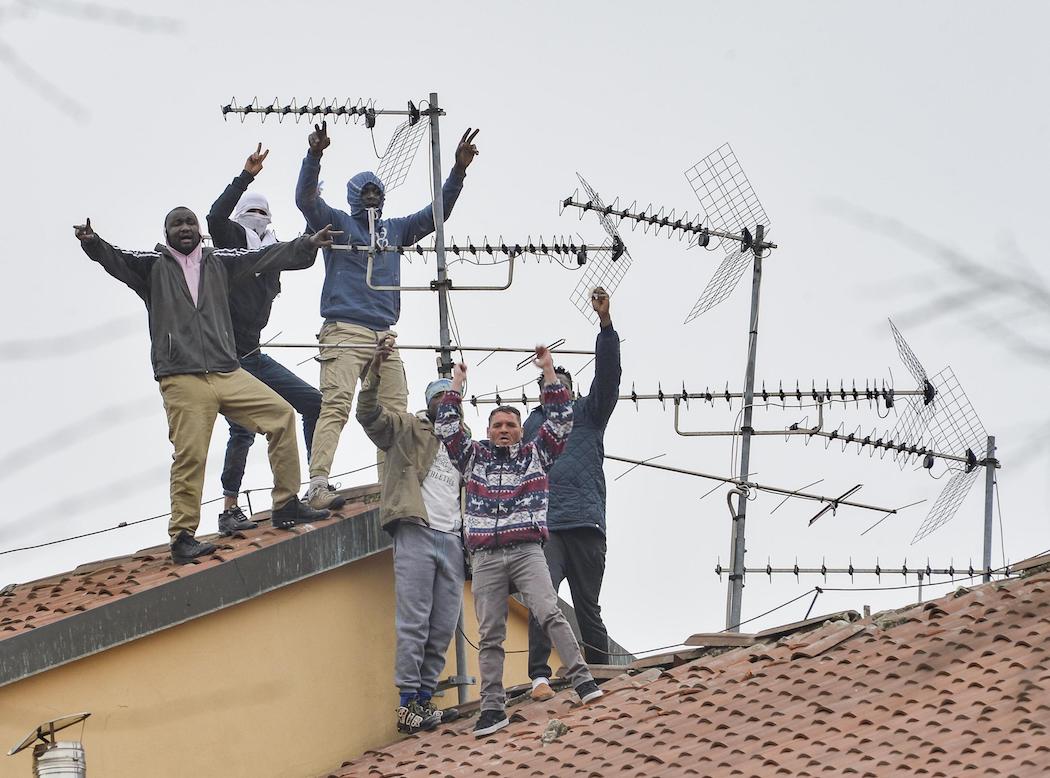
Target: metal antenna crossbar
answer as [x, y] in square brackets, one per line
[432, 347]
[347, 110]
[746, 484]
[850, 570]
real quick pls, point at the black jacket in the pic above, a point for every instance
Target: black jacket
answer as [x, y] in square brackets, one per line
[577, 480]
[188, 338]
[251, 295]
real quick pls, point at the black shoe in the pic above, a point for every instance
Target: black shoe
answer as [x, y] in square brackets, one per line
[186, 548]
[415, 716]
[295, 511]
[432, 716]
[490, 721]
[588, 690]
[233, 520]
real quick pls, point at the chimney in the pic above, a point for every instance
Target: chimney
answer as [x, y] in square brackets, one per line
[55, 758]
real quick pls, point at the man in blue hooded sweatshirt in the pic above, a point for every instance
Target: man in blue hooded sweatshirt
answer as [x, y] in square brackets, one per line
[354, 313]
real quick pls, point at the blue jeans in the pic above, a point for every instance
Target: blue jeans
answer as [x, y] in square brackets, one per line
[300, 395]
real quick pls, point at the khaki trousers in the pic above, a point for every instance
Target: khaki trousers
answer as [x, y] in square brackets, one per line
[340, 372]
[192, 402]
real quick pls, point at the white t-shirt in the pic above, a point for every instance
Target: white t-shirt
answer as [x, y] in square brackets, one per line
[441, 494]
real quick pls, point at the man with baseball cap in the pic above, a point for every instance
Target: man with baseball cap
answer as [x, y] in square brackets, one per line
[420, 506]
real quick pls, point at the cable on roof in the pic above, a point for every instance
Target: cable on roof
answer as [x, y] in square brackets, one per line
[124, 524]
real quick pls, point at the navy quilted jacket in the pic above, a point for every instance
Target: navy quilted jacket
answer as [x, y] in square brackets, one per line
[577, 480]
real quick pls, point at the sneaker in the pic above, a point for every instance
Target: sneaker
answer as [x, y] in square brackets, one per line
[293, 512]
[415, 717]
[541, 690]
[323, 497]
[588, 690]
[490, 721]
[186, 549]
[432, 716]
[233, 520]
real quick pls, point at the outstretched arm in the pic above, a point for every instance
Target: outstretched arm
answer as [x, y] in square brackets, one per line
[307, 197]
[293, 255]
[130, 267]
[379, 423]
[224, 232]
[420, 224]
[449, 427]
[557, 405]
[605, 388]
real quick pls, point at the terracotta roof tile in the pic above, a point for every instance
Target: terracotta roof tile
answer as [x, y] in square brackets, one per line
[95, 584]
[938, 689]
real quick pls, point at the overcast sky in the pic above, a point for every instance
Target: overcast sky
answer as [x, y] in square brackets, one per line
[930, 115]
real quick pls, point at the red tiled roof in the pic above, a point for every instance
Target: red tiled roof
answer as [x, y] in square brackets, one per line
[950, 687]
[96, 584]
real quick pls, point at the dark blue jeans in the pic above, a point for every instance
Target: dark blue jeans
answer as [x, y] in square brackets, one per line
[300, 395]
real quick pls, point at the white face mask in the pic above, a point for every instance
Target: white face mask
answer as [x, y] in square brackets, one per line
[255, 222]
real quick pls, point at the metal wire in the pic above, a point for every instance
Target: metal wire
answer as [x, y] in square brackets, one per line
[401, 152]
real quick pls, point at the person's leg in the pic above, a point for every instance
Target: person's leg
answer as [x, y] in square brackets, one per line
[539, 643]
[528, 571]
[255, 406]
[340, 371]
[292, 389]
[585, 568]
[393, 390]
[191, 406]
[490, 589]
[233, 466]
[445, 606]
[415, 566]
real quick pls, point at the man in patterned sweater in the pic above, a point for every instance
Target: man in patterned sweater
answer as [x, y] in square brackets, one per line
[506, 525]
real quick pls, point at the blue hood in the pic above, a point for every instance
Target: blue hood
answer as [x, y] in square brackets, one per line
[353, 192]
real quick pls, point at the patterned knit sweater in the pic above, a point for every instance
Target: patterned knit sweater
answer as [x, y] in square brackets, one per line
[506, 485]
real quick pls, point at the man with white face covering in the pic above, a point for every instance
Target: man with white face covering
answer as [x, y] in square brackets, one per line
[241, 219]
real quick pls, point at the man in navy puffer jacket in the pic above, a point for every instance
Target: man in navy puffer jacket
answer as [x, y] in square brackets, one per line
[576, 515]
[354, 313]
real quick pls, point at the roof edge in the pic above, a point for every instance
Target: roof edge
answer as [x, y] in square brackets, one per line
[183, 599]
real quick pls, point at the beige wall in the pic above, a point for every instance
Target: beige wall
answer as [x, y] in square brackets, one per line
[291, 683]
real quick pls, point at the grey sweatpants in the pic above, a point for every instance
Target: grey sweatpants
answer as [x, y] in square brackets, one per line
[428, 588]
[525, 566]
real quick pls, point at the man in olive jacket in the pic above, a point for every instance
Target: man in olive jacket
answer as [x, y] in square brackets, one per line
[420, 506]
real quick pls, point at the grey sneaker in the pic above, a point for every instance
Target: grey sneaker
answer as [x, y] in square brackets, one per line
[588, 690]
[323, 497]
[490, 721]
[233, 520]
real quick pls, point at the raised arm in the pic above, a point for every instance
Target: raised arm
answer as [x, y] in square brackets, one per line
[226, 233]
[449, 426]
[317, 212]
[557, 405]
[297, 254]
[605, 388]
[130, 267]
[380, 424]
[420, 224]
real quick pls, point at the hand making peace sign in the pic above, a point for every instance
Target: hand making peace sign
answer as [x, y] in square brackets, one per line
[319, 139]
[255, 161]
[466, 150]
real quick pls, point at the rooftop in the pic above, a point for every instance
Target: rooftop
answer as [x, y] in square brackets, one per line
[948, 687]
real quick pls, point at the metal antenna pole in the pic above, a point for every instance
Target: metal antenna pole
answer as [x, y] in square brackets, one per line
[445, 338]
[990, 464]
[445, 360]
[735, 592]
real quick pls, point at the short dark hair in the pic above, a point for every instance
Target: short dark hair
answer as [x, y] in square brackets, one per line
[505, 409]
[559, 370]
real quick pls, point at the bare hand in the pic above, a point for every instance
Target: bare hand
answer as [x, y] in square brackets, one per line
[254, 165]
[323, 238]
[600, 304]
[84, 232]
[319, 139]
[544, 360]
[466, 150]
[459, 376]
[384, 349]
